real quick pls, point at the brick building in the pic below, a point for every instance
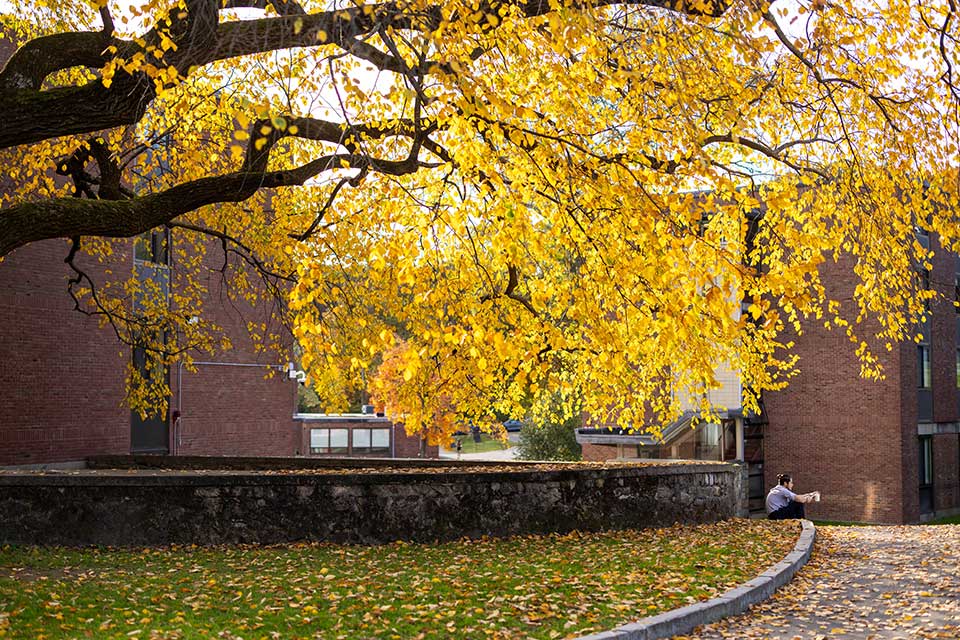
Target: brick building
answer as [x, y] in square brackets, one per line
[879, 451]
[62, 376]
[357, 435]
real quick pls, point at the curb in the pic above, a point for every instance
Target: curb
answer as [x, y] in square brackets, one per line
[737, 600]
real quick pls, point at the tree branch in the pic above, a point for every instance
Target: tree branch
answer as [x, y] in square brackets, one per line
[68, 217]
[29, 115]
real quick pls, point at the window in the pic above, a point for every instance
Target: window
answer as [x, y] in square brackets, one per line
[958, 368]
[328, 441]
[926, 474]
[152, 247]
[956, 294]
[923, 366]
[371, 440]
[925, 284]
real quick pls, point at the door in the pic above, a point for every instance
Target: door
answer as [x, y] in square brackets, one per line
[150, 434]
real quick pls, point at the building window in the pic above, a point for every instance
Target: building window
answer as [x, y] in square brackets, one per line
[328, 441]
[958, 368]
[152, 246]
[371, 441]
[923, 366]
[926, 474]
[956, 293]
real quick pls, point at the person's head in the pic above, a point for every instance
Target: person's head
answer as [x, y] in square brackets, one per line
[785, 480]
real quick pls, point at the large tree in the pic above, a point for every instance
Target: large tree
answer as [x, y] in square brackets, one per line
[535, 197]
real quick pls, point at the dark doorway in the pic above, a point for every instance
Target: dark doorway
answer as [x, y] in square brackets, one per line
[150, 434]
[926, 474]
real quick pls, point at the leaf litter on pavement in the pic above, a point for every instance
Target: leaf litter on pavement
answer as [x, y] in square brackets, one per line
[869, 583]
[550, 586]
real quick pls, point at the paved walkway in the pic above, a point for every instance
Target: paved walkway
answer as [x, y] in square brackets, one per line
[862, 582]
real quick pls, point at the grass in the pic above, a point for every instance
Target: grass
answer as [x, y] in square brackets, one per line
[945, 520]
[487, 443]
[531, 587]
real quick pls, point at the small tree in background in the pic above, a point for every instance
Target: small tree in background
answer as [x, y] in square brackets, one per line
[550, 438]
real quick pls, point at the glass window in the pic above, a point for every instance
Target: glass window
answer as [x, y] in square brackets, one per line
[361, 438]
[956, 293]
[371, 440]
[380, 438]
[319, 440]
[151, 246]
[328, 441]
[926, 474]
[923, 366]
[706, 441]
[926, 460]
[339, 440]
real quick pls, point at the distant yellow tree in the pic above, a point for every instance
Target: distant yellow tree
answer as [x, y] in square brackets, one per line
[537, 196]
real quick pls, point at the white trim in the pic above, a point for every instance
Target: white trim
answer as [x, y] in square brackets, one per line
[341, 417]
[937, 428]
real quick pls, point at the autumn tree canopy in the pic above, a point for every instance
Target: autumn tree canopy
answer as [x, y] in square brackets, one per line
[522, 197]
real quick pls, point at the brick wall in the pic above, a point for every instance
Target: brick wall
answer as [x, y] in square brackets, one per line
[946, 447]
[61, 375]
[946, 471]
[908, 461]
[598, 452]
[834, 431]
[943, 356]
[227, 409]
[409, 446]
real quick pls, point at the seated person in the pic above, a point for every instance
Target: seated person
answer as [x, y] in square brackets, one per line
[783, 503]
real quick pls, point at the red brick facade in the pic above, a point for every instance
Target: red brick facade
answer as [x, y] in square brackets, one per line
[857, 441]
[834, 431]
[234, 410]
[238, 402]
[597, 452]
[62, 376]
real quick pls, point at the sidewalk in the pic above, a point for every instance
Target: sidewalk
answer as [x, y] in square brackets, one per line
[862, 582]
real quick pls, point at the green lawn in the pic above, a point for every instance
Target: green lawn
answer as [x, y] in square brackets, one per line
[487, 443]
[531, 587]
[945, 520]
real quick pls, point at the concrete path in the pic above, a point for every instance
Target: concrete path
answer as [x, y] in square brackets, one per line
[862, 582]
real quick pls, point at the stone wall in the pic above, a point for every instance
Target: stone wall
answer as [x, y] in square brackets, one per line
[156, 507]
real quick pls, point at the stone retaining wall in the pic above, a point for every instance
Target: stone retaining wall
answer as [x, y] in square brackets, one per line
[157, 507]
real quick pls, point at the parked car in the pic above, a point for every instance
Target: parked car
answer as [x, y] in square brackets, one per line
[512, 426]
